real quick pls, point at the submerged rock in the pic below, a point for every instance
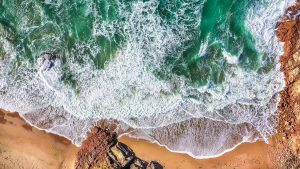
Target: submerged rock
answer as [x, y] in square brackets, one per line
[46, 60]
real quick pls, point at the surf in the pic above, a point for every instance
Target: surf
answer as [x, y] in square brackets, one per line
[168, 71]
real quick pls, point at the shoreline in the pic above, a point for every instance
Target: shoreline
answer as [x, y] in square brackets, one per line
[126, 136]
[247, 155]
[287, 31]
[21, 141]
[190, 154]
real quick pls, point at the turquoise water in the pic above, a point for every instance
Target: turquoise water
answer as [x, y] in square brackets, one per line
[53, 26]
[163, 67]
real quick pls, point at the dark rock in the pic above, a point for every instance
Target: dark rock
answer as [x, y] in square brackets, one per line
[101, 150]
[154, 165]
[121, 155]
[139, 164]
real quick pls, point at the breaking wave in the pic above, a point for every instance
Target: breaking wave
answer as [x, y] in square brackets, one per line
[172, 72]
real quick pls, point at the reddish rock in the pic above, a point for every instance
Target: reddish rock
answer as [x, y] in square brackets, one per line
[288, 31]
[94, 149]
[101, 150]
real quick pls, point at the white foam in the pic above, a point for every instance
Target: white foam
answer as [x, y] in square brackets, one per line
[203, 48]
[261, 21]
[230, 58]
[127, 90]
[200, 138]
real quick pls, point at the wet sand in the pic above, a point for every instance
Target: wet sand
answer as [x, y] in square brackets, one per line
[22, 146]
[245, 156]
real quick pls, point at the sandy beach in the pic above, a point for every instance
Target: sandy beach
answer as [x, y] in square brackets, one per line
[22, 146]
[101, 62]
[245, 156]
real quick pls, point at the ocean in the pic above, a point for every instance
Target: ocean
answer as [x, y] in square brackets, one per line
[196, 76]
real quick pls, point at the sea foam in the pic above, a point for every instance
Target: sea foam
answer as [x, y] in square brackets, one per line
[220, 117]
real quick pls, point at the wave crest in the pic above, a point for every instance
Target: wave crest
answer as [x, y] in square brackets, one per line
[213, 118]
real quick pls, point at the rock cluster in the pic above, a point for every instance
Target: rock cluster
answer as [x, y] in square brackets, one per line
[288, 31]
[101, 150]
[121, 156]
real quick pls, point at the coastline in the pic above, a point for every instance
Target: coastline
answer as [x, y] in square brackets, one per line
[246, 156]
[125, 137]
[22, 145]
[287, 31]
[20, 141]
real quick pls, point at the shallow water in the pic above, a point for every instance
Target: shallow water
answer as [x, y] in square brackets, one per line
[202, 71]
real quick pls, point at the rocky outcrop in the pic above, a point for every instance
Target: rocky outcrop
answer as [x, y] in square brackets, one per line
[288, 31]
[154, 165]
[93, 150]
[121, 156]
[101, 150]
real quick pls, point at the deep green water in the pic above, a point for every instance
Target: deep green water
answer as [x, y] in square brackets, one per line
[198, 76]
[38, 26]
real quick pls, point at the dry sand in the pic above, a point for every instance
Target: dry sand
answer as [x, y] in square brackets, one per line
[24, 147]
